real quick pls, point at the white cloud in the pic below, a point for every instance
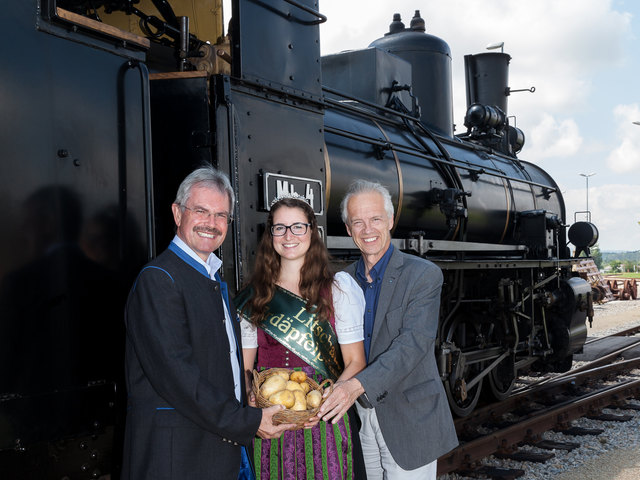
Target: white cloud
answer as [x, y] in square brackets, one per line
[555, 46]
[569, 50]
[626, 157]
[615, 210]
[553, 138]
[563, 49]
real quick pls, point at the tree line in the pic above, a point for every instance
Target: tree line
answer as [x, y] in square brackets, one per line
[618, 262]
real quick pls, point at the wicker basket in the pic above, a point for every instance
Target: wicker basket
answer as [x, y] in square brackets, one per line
[297, 417]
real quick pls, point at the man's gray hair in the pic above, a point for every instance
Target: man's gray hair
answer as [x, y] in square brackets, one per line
[208, 177]
[365, 186]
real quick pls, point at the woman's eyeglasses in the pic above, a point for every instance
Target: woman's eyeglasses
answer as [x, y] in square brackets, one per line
[279, 230]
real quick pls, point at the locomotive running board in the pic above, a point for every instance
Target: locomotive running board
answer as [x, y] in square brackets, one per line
[423, 246]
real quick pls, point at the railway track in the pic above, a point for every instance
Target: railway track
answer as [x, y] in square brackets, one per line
[548, 403]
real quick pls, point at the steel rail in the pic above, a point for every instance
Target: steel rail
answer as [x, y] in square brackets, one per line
[556, 386]
[605, 360]
[628, 332]
[557, 416]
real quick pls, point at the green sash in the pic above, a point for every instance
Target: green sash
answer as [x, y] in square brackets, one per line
[288, 321]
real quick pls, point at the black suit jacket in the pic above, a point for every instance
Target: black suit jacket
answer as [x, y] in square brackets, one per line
[183, 420]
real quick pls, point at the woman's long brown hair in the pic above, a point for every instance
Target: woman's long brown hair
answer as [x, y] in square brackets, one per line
[316, 275]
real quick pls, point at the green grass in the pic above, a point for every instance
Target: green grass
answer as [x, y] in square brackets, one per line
[623, 275]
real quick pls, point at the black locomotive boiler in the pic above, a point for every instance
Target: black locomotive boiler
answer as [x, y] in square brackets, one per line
[107, 105]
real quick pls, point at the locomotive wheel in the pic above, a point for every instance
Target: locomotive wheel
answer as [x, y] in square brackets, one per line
[502, 379]
[462, 400]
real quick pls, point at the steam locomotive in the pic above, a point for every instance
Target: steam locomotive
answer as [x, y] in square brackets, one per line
[107, 105]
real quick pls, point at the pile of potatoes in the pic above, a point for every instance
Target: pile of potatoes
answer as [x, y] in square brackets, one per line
[290, 390]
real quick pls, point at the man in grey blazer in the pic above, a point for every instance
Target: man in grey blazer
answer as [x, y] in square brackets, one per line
[406, 421]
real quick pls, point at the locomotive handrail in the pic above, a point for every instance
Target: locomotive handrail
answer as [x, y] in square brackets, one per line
[146, 146]
[400, 179]
[446, 171]
[232, 152]
[390, 111]
[364, 102]
[479, 169]
[321, 18]
[471, 167]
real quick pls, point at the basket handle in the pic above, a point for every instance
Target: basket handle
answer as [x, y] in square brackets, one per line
[330, 385]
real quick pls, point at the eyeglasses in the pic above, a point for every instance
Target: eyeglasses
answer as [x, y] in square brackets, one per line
[279, 230]
[203, 214]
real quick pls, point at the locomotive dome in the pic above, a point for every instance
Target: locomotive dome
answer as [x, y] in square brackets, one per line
[430, 59]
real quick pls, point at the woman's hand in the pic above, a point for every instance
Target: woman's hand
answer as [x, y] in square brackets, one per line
[312, 422]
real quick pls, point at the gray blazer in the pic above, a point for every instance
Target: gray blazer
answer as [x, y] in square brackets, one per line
[401, 380]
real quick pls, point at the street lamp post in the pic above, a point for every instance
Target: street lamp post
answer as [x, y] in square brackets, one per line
[587, 175]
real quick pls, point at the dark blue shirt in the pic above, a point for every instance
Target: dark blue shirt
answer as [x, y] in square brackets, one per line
[371, 293]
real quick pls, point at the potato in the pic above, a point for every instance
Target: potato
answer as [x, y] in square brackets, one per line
[284, 397]
[305, 387]
[283, 374]
[314, 398]
[298, 376]
[301, 401]
[291, 385]
[273, 384]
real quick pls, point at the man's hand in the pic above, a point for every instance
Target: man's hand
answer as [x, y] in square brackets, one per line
[338, 402]
[267, 430]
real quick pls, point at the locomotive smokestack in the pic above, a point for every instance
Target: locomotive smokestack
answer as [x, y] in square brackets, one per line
[487, 79]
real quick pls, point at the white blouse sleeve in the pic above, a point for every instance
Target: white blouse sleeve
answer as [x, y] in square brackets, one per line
[249, 334]
[348, 305]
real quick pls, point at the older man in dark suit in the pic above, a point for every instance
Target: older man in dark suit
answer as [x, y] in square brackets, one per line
[406, 422]
[186, 416]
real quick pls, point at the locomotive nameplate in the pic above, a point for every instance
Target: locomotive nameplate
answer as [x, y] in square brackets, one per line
[276, 185]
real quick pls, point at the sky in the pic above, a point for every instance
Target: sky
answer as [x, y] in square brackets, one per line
[582, 57]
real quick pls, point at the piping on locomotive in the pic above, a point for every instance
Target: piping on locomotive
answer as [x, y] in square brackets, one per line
[124, 116]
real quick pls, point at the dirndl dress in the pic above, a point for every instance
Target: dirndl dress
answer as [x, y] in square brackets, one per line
[324, 452]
